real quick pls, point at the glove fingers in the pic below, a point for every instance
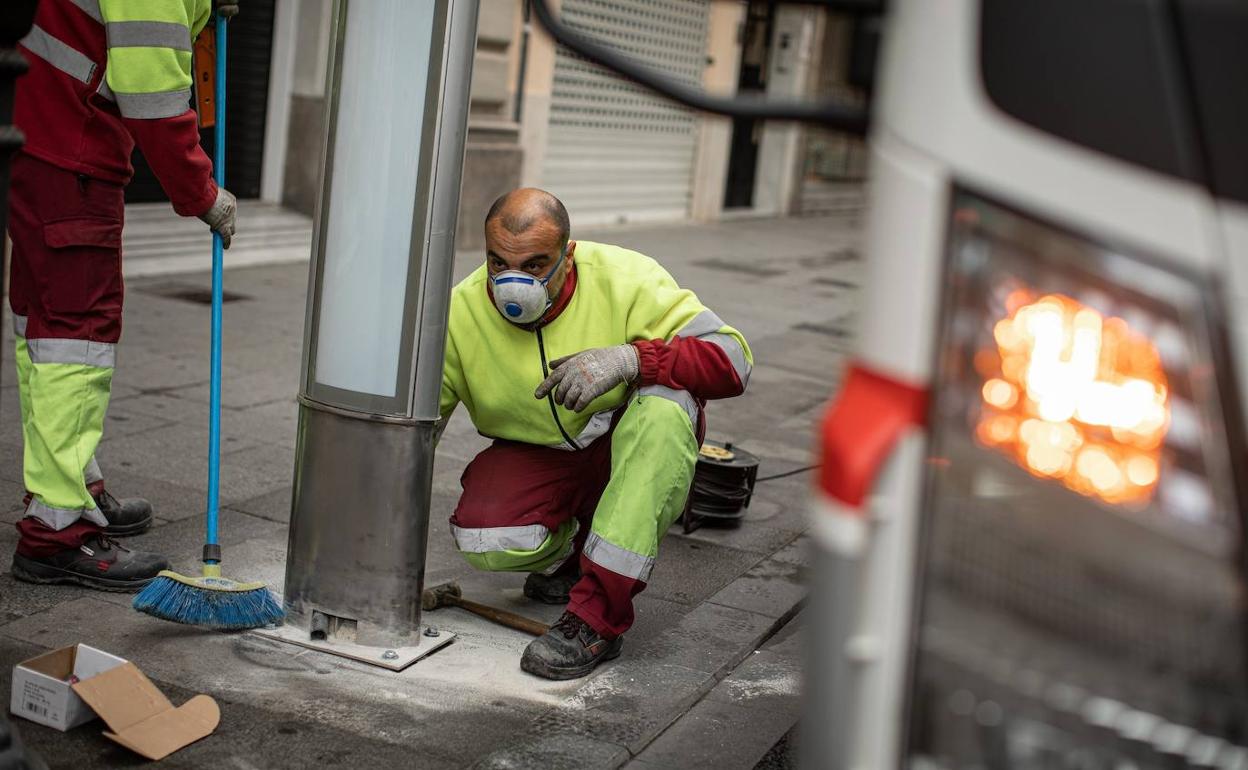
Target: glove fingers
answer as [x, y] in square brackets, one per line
[548, 383]
[584, 398]
[560, 361]
[566, 385]
[572, 397]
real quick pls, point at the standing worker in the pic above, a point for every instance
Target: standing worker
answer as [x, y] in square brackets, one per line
[104, 75]
[589, 368]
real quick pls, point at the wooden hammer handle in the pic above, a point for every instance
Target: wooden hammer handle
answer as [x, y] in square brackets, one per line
[502, 617]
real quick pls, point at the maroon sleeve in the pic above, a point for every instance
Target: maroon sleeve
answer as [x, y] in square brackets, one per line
[688, 363]
[171, 148]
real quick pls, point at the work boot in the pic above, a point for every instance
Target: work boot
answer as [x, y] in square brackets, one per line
[550, 589]
[126, 517]
[570, 649]
[100, 562]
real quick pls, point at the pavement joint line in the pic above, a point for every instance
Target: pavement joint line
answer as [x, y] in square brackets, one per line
[724, 671]
[724, 677]
[261, 517]
[232, 509]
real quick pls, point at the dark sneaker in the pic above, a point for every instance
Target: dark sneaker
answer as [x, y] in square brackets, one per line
[100, 563]
[550, 589]
[127, 517]
[570, 649]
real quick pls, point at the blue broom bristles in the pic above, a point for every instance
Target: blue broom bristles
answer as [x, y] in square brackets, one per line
[180, 602]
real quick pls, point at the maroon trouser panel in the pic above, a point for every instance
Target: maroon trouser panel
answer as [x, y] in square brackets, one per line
[37, 540]
[604, 599]
[513, 484]
[66, 270]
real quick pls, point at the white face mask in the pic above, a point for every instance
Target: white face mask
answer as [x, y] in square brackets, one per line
[521, 298]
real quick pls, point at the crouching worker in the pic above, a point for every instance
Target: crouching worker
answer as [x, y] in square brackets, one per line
[589, 368]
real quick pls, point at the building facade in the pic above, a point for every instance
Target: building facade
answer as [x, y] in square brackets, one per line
[614, 152]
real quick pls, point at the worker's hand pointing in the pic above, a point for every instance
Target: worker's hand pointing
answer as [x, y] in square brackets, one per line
[577, 380]
[221, 216]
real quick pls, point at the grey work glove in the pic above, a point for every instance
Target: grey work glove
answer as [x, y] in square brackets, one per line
[226, 8]
[579, 379]
[221, 216]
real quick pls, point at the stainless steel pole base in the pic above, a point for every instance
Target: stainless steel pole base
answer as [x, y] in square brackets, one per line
[359, 522]
[393, 658]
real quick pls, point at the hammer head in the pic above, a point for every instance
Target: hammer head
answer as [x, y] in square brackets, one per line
[439, 595]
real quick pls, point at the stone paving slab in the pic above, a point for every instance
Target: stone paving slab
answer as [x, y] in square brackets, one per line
[716, 734]
[742, 717]
[771, 588]
[558, 752]
[767, 680]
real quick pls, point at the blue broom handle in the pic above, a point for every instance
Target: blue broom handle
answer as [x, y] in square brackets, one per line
[218, 257]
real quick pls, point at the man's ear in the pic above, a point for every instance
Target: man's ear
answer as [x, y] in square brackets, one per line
[570, 251]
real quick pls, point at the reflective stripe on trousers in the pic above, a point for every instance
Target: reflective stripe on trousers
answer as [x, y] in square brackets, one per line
[486, 539]
[532, 548]
[60, 518]
[619, 560]
[653, 452]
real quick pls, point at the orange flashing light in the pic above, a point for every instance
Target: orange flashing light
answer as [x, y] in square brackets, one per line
[1076, 397]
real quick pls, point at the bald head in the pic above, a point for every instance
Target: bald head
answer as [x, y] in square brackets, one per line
[523, 209]
[527, 230]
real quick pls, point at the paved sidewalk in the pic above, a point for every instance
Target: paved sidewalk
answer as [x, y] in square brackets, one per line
[716, 596]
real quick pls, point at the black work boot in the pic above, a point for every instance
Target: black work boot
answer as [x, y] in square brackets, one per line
[570, 649]
[550, 589]
[100, 563]
[130, 516]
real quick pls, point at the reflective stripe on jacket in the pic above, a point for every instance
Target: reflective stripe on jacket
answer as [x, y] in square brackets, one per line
[105, 74]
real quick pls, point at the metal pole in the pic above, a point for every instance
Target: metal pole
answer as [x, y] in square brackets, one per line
[364, 454]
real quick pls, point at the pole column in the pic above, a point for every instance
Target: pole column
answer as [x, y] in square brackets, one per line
[379, 288]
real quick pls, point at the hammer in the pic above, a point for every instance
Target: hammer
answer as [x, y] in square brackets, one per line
[450, 595]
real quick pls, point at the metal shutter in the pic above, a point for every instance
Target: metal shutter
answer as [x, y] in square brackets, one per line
[615, 151]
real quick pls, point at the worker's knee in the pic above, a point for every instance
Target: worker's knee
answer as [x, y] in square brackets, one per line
[529, 548]
[664, 409]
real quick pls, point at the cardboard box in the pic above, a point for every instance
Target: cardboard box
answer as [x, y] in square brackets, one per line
[141, 718]
[41, 688]
[138, 715]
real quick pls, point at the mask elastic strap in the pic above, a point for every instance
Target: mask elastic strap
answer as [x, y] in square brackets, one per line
[554, 269]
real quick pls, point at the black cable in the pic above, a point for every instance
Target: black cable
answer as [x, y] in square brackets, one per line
[787, 473]
[550, 397]
[834, 114]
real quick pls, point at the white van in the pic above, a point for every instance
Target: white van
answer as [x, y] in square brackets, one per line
[1031, 508]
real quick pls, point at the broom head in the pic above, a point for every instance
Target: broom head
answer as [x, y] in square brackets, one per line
[208, 600]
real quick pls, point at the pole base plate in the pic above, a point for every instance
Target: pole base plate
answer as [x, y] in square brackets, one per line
[392, 658]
